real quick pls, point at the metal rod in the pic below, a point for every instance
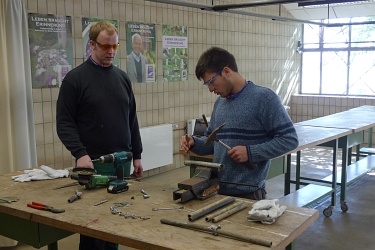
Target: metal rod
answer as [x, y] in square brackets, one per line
[229, 212]
[210, 208]
[214, 230]
[223, 210]
[205, 164]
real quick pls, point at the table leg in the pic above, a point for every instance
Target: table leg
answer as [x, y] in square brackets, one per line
[287, 174]
[343, 174]
[53, 246]
[298, 169]
[334, 173]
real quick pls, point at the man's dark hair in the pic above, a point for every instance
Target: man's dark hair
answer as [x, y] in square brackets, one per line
[213, 60]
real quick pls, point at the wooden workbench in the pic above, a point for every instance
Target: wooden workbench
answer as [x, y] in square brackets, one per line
[97, 221]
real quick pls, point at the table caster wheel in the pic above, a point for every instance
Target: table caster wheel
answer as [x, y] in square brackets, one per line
[344, 206]
[328, 211]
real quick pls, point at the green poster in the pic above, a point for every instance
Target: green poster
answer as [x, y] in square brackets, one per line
[175, 53]
[51, 49]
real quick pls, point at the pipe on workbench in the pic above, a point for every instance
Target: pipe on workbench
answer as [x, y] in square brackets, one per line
[214, 230]
[213, 215]
[204, 164]
[229, 213]
[210, 208]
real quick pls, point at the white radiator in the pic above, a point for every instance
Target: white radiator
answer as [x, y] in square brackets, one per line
[157, 146]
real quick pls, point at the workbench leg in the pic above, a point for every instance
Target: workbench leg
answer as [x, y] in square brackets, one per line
[291, 246]
[343, 170]
[53, 246]
[298, 169]
[287, 174]
[334, 173]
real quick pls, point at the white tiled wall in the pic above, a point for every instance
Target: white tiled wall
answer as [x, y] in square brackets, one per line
[265, 51]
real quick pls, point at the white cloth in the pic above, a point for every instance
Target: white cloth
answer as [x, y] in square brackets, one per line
[45, 173]
[266, 211]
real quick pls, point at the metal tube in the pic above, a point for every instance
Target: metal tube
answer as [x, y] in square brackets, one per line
[214, 230]
[210, 208]
[205, 164]
[229, 213]
[213, 215]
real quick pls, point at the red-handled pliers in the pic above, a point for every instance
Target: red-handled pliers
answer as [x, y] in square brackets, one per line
[41, 206]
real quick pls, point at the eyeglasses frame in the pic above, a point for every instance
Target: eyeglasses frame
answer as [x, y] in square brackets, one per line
[109, 46]
[208, 82]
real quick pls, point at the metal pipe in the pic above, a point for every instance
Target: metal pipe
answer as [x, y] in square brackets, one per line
[205, 164]
[213, 215]
[229, 212]
[210, 208]
[214, 230]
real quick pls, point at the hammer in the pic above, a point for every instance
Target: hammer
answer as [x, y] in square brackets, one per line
[212, 137]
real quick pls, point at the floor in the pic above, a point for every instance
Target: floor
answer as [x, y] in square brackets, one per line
[351, 230]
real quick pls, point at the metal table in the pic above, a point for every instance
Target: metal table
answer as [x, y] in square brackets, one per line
[310, 136]
[357, 121]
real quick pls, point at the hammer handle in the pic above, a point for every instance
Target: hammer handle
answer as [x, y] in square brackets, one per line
[252, 165]
[223, 144]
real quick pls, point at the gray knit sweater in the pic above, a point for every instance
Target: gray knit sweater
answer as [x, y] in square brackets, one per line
[255, 118]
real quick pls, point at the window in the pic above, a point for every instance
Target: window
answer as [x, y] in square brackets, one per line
[339, 60]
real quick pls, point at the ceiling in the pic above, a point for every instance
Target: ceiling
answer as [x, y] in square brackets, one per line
[311, 14]
[356, 9]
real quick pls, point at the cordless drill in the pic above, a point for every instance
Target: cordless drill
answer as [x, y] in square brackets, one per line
[120, 161]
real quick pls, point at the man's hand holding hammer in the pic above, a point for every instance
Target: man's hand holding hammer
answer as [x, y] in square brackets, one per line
[186, 143]
[237, 153]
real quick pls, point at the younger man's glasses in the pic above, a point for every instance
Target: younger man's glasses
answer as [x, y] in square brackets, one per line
[212, 78]
[107, 46]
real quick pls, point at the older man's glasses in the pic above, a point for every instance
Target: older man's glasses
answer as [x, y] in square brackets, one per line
[212, 78]
[107, 46]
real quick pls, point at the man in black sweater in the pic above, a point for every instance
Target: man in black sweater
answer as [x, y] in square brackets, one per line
[96, 111]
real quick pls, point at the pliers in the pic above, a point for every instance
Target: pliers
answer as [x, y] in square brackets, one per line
[41, 206]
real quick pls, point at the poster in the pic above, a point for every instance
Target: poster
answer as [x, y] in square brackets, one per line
[175, 53]
[51, 49]
[141, 52]
[86, 24]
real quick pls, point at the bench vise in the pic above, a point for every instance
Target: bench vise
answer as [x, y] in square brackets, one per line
[202, 185]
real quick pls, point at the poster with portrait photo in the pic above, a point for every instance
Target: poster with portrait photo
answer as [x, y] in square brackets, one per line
[51, 49]
[141, 52]
[175, 53]
[86, 24]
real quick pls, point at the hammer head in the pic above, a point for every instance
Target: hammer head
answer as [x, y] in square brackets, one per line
[212, 137]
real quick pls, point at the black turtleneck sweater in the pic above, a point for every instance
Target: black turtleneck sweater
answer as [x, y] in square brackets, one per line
[96, 112]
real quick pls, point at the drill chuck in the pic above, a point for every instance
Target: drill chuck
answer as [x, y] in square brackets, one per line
[110, 158]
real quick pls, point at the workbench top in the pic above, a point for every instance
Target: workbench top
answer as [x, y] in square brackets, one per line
[83, 217]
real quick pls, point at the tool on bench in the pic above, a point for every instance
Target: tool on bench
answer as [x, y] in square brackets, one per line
[204, 183]
[66, 185]
[87, 177]
[100, 202]
[76, 196]
[8, 199]
[145, 195]
[119, 160]
[166, 208]
[115, 184]
[213, 137]
[41, 206]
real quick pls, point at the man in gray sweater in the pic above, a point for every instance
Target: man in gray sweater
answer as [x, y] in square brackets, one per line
[257, 126]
